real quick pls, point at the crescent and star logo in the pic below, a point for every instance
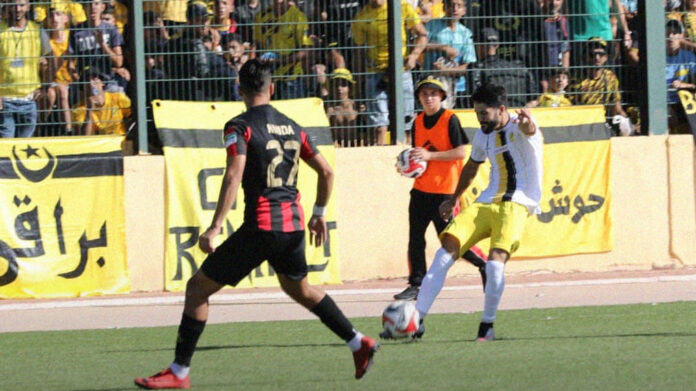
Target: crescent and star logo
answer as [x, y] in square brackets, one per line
[36, 175]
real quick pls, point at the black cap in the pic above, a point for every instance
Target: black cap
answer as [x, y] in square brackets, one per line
[596, 43]
[488, 34]
[674, 26]
[196, 10]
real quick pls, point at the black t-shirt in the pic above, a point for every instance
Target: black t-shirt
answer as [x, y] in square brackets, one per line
[273, 145]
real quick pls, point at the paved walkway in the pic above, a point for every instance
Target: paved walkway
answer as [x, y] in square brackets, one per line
[357, 299]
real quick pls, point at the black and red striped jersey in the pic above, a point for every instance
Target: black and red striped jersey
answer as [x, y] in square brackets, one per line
[273, 145]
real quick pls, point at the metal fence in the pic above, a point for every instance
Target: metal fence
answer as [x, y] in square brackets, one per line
[81, 77]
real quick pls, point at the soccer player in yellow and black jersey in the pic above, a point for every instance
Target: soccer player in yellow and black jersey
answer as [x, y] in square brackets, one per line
[263, 151]
[439, 139]
[514, 146]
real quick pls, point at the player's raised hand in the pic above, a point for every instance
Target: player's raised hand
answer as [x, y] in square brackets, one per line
[205, 241]
[525, 122]
[317, 230]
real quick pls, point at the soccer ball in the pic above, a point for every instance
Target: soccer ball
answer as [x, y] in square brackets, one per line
[410, 167]
[400, 319]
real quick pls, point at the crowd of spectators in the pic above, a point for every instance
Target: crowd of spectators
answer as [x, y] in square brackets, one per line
[65, 65]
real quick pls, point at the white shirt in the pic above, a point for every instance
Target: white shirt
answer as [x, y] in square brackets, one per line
[516, 165]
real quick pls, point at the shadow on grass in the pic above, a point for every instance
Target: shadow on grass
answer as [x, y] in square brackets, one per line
[222, 347]
[429, 341]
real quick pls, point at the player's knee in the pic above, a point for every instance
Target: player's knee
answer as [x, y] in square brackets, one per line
[451, 245]
[498, 254]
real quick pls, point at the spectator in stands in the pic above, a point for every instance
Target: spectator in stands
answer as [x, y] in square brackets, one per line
[73, 10]
[57, 91]
[120, 13]
[25, 52]
[591, 18]
[369, 29]
[519, 83]
[281, 33]
[245, 12]
[430, 9]
[185, 59]
[556, 38]
[222, 22]
[236, 53]
[341, 108]
[555, 96]
[173, 13]
[156, 37]
[601, 85]
[449, 51]
[94, 43]
[325, 55]
[681, 74]
[519, 24]
[100, 111]
[341, 13]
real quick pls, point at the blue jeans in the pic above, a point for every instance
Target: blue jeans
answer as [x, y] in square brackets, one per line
[17, 118]
[378, 106]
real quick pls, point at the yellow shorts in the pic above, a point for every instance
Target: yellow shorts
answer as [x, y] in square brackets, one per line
[503, 222]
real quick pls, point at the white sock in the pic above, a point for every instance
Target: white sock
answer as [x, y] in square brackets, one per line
[356, 343]
[495, 272]
[179, 371]
[433, 281]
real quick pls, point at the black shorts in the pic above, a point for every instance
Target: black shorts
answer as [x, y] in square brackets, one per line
[246, 249]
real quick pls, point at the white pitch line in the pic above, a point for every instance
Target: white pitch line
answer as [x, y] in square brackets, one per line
[232, 297]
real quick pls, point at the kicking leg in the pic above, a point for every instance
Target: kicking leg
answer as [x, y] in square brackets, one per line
[435, 277]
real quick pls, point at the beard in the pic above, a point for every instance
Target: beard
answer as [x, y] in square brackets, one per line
[489, 126]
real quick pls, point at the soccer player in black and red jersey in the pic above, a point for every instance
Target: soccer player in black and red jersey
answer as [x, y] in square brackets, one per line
[263, 152]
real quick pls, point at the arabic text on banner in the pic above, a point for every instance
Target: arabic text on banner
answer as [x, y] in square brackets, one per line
[62, 231]
[191, 134]
[576, 194]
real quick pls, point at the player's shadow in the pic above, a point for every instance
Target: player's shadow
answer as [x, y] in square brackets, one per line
[222, 347]
[617, 335]
[426, 340]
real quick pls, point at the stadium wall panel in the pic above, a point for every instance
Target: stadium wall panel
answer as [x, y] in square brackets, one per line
[654, 212]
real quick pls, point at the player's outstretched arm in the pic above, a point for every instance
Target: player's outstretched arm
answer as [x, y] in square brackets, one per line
[228, 193]
[525, 122]
[317, 224]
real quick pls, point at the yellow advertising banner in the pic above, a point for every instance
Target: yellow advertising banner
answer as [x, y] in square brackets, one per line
[62, 232]
[191, 134]
[576, 195]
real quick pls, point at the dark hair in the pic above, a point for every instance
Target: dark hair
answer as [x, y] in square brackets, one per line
[109, 9]
[254, 76]
[490, 95]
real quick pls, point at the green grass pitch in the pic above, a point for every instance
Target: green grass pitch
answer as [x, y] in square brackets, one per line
[633, 347]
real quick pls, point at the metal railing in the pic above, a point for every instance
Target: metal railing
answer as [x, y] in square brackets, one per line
[341, 51]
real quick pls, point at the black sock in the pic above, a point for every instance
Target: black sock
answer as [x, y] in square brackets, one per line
[187, 338]
[473, 258]
[333, 318]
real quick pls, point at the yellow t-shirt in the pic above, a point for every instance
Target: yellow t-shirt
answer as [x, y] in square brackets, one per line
[73, 10]
[282, 35]
[370, 28]
[121, 16]
[20, 54]
[173, 10]
[107, 119]
[59, 48]
[437, 10]
[603, 90]
[551, 99]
